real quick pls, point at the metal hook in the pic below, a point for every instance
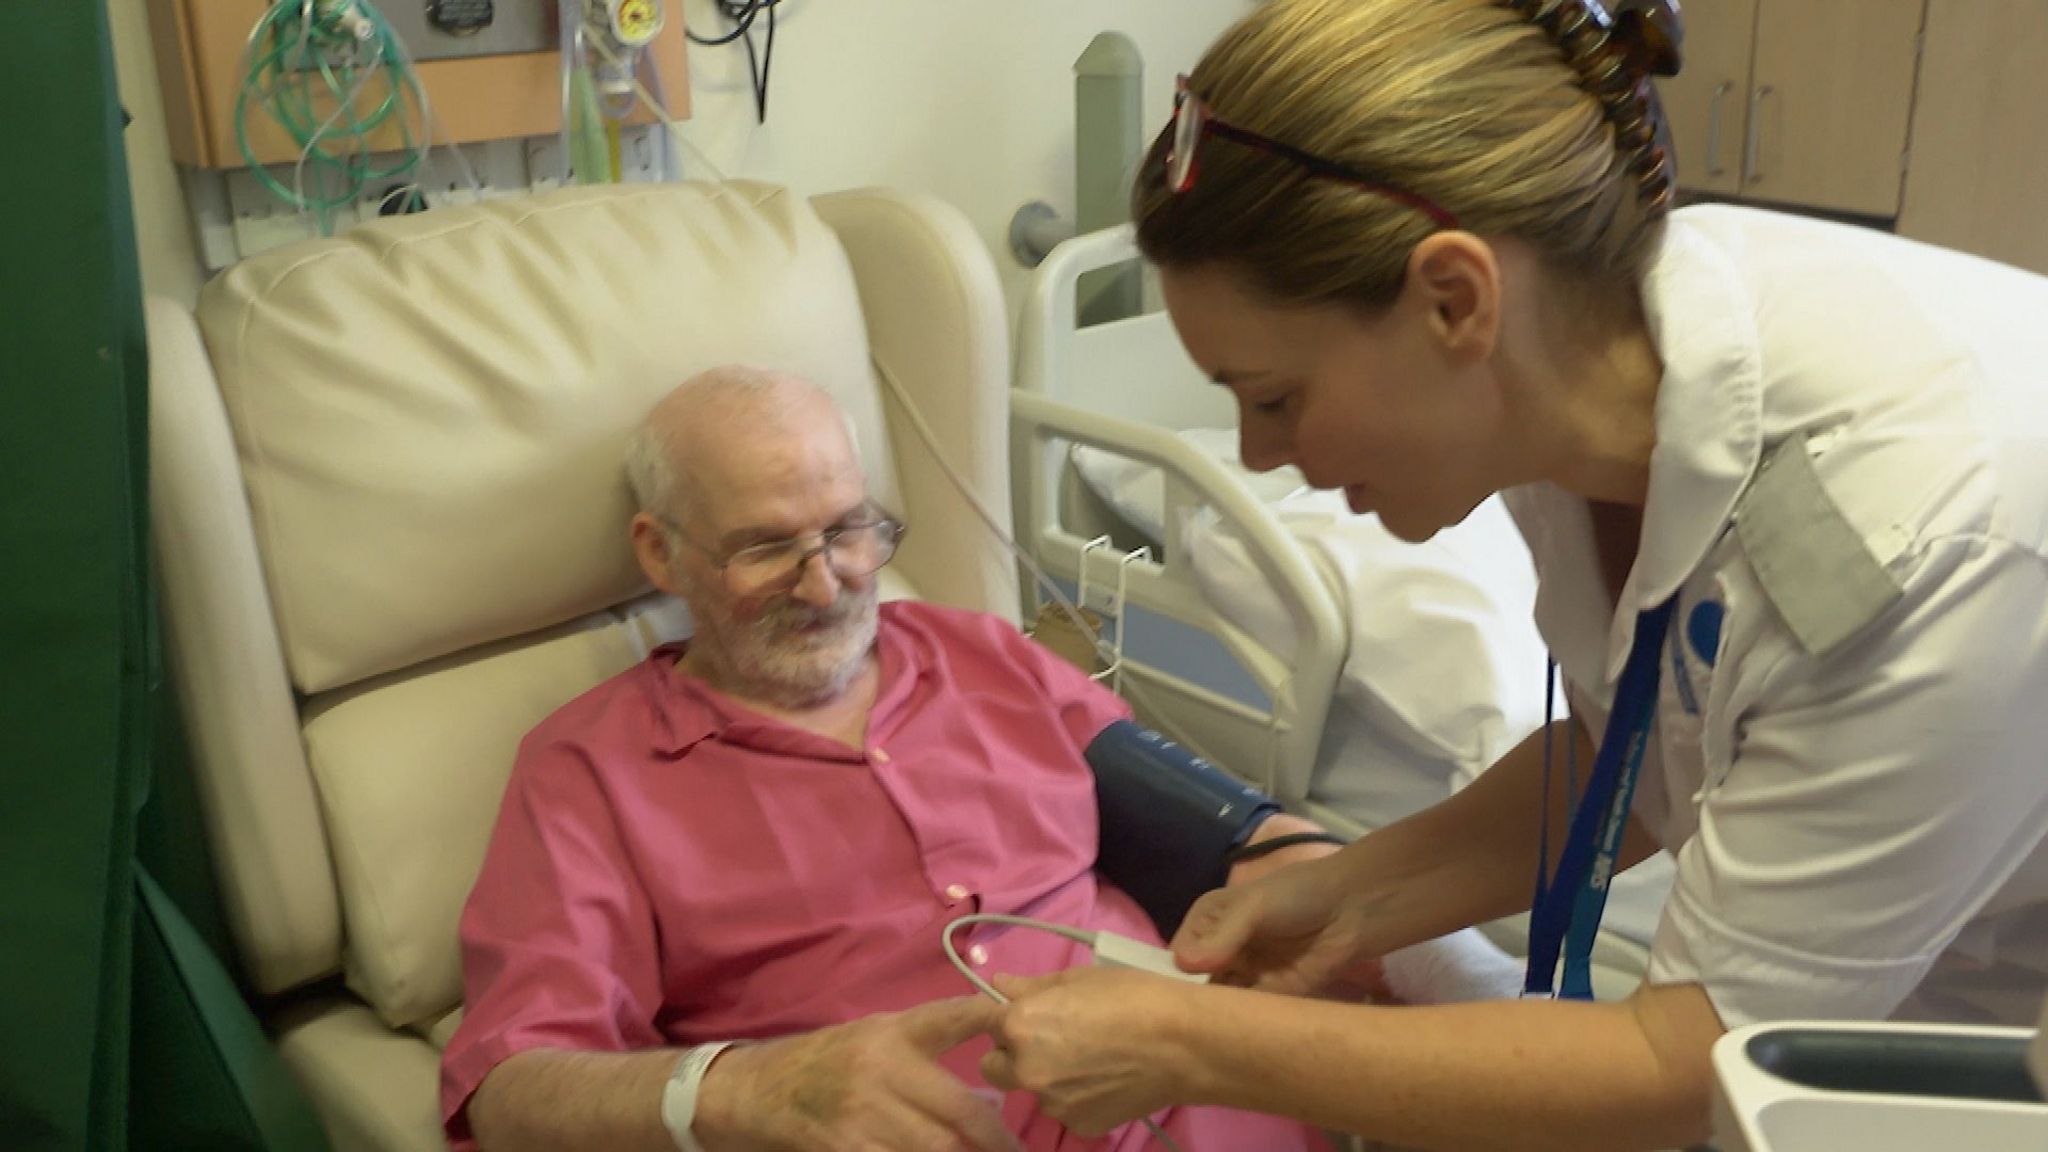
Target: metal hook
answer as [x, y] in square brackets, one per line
[1081, 582]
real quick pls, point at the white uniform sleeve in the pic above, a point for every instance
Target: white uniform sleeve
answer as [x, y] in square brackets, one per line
[1877, 799]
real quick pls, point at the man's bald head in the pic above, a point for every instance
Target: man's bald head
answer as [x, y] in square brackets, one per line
[736, 463]
[714, 427]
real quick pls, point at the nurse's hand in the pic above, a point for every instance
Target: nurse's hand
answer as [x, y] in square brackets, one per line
[1299, 932]
[1092, 1044]
[873, 1083]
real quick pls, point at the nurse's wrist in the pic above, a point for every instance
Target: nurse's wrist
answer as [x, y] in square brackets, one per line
[1280, 840]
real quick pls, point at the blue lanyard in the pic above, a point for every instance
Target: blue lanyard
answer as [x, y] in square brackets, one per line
[1567, 910]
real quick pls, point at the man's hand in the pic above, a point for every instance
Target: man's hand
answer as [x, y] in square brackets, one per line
[872, 1085]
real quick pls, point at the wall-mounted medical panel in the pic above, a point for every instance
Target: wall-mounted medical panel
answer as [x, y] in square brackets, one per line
[202, 61]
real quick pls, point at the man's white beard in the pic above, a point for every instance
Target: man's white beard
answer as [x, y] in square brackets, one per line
[773, 658]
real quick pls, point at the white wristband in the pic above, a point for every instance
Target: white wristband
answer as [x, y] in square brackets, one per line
[679, 1095]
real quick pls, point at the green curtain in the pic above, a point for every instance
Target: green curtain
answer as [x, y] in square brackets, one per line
[123, 1029]
[76, 630]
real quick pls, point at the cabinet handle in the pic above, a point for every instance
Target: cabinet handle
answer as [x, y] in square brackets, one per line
[1721, 90]
[1754, 130]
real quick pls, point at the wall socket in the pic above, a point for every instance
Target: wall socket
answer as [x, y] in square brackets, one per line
[641, 158]
[258, 219]
[641, 154]
[547, 166]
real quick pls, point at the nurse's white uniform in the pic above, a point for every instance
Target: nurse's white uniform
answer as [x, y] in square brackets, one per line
[1849, 497]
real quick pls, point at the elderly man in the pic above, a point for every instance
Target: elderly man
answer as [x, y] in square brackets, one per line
[760, 835]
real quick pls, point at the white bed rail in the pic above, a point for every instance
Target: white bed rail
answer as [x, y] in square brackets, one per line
[1045, 330]
[1299, 684]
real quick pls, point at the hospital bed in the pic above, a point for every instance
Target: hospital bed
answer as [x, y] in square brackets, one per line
[1354, 677]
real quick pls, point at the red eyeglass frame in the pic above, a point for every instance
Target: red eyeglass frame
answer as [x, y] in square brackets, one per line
[1181, 170]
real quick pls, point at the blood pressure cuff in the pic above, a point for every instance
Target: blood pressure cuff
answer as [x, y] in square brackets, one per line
[1167, 820]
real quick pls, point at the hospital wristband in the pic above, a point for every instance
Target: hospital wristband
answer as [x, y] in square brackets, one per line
[1266, 847]
[679, 1095]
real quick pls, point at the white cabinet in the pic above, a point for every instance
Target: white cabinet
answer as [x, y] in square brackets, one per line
[1978, 175]
[1804, 103]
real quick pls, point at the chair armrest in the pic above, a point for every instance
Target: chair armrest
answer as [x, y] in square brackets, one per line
[222, 655]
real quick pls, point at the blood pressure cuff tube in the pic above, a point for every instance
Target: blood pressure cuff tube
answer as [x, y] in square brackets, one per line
[1168, 820]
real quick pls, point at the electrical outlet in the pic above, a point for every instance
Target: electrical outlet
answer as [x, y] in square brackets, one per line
[368, 202]
[260, 220]
[547, 166]
[254, 233]
[640, 154]
[454, 194]
[470, 173]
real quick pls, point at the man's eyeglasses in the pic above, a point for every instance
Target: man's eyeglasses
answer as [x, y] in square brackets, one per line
[851, 550]
[1192, 118]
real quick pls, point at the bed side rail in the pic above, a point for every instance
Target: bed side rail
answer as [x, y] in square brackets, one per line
[1301, 684]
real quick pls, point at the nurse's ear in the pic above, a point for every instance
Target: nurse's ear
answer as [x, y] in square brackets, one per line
[1455, 279]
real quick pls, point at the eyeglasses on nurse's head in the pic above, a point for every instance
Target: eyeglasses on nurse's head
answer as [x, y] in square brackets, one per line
[850, 550]
[1192, 119]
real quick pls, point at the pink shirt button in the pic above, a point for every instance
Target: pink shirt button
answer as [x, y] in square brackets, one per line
[978, 954]
[878, 756]
[956, 892]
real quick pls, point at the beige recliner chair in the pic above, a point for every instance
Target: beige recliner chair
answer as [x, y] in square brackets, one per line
[390, 509]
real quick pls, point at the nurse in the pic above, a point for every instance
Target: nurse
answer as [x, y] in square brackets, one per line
[1786, 487]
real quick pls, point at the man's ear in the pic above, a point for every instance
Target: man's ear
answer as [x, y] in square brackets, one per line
[651, 547]
[1457, 278]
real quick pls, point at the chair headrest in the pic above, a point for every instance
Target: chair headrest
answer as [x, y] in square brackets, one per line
[432, 413]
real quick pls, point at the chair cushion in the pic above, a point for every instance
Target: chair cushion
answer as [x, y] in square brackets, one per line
[411, 768]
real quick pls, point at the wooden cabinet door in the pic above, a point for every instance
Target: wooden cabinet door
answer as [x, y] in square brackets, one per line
[1704, 102]
[1979, 164]
[1830, 96]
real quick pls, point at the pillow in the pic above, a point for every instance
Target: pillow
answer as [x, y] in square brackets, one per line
[1137, 490]
[1444, 656]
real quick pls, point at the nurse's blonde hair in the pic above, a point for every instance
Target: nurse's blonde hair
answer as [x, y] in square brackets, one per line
[1477, 105]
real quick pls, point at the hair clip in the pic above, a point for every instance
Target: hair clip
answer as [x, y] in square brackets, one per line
[1616, 46]
[1651, 34]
